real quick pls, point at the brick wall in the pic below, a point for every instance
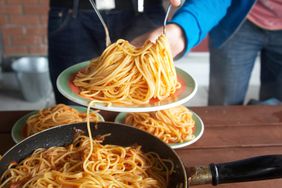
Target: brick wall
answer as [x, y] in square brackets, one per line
[23, 25]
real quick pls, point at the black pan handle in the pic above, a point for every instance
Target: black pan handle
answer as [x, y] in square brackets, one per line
[251, 169]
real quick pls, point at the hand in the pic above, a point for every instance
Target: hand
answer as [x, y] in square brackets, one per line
[174, 35]
[175, 3]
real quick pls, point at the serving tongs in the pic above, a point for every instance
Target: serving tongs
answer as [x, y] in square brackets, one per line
[108, 39]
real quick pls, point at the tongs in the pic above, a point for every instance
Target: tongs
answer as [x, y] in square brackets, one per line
[108, 39]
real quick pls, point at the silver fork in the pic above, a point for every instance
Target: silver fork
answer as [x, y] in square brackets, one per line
[166, 17]
[108, 39]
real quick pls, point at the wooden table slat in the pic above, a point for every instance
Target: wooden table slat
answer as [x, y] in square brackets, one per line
[240, 137]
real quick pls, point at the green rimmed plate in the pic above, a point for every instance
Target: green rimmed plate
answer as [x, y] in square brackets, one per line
[18, 130]
[181, 96]
[199, 129]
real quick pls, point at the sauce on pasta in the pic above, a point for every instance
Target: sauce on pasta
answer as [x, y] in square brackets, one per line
[129, 75]
[174, 125]
[59, 114]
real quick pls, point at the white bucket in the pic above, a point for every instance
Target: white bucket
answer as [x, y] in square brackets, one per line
[33, 77]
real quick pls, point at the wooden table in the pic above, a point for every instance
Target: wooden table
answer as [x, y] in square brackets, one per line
[231, 133]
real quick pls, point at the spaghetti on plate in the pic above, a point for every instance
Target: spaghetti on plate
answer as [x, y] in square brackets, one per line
[129, 75]
[173, 125]
[59, 114]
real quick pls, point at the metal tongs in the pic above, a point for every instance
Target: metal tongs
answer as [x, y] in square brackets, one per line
[166, 17]
[108, 39]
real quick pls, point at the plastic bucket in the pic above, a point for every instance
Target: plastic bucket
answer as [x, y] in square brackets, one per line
[33, 77]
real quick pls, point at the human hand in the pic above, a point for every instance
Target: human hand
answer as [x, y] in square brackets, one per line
[174, 35]
[175, 3]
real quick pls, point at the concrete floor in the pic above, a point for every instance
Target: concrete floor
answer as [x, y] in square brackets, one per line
[195, 63]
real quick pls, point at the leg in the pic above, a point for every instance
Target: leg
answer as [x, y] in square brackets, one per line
[271, 67]
[231, 66]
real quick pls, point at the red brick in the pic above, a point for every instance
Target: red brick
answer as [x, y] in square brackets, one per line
[12, 31]
[35, 9]
[44, 19]
[7, 41]
[44, 2]
[24, 20]
[3, 20]
[11, 9]
[15, 51]
[38, 50]
[27, 40]
[23, 1]
[18, 2]
[37, 30]
[45, 40]
[32, 1]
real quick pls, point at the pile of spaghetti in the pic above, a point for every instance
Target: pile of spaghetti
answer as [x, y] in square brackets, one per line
[59, 114]
[128, 75]
[108, 166]
[174, 125]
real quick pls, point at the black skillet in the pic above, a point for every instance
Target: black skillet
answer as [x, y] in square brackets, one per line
[257, 168]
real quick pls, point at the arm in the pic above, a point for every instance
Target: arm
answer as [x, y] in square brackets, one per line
[189, 25]
[197, 17]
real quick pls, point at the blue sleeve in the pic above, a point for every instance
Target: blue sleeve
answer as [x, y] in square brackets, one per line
[198, 17]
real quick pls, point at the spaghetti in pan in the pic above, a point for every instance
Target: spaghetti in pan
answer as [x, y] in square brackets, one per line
[88, 163]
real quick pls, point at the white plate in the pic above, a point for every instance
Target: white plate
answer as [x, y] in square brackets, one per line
[181, 96]
[198, 132]
[18, 129]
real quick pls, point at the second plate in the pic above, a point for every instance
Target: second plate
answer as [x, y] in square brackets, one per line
[199, 130]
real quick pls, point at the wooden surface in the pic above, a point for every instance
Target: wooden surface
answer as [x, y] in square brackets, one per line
[231, 133]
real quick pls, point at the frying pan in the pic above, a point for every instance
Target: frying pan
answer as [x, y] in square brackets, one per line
[251, 169]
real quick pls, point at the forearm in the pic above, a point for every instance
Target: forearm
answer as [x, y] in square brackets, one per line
[197, 17]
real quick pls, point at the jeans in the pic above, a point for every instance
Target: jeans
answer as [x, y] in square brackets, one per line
[76, 35]
[231, 65]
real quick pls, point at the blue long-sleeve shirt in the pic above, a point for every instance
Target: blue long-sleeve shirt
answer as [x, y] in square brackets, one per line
[220, 18]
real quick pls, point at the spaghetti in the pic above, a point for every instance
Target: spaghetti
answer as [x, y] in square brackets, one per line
[109, 166]
[174, 125]
[57, 115]
[88, 163]
[129, 75]
[122, 74]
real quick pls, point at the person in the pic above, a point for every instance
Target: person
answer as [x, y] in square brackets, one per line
[238, 30]
[75, 33]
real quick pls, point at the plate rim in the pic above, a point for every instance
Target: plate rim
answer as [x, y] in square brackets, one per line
[20, 123]
[84, 101]
[175, 145]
